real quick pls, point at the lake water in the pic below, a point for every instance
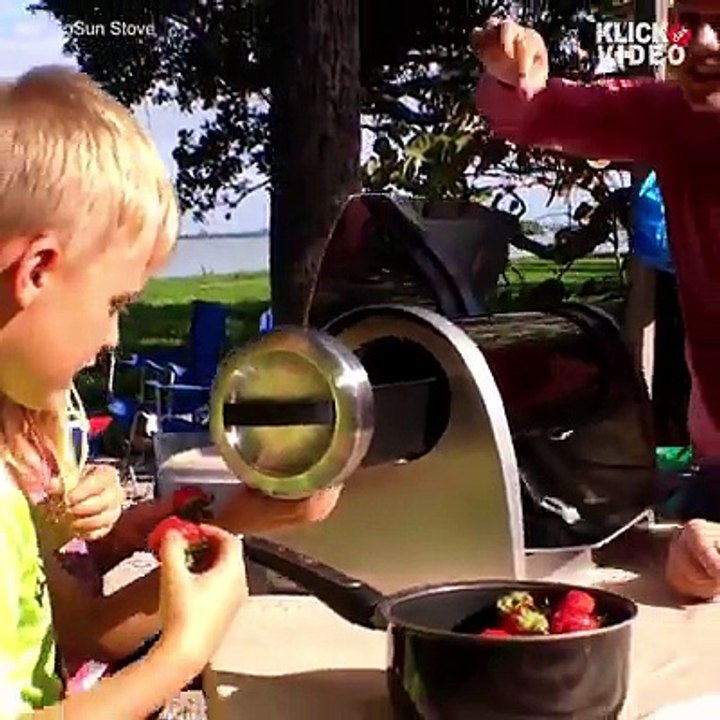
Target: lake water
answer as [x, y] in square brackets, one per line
[219, 254]
[251, 253]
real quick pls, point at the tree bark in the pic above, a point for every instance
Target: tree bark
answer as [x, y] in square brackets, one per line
[315, 138]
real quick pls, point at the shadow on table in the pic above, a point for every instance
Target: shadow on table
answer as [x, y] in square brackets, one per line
[643, 554]
[350, 694]
[694, 494]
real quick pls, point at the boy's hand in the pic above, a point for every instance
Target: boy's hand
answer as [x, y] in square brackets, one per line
[512, 54]
[693, 563]
[95, 504]
[197, 608]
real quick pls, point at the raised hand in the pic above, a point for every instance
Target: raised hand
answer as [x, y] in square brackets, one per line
[512, 54]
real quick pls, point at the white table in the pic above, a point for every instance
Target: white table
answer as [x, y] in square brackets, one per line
[291, 658]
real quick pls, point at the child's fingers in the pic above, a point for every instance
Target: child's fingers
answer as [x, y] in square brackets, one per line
[485, 38]
[96, 525]
[86, 488]
[702, 551]
[224, 547]
[96, 481]
[94, 505]
[172, 558]
[692, 577]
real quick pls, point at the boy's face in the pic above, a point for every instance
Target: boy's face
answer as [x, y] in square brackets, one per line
[65, 313]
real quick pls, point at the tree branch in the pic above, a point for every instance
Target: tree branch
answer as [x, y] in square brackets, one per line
[523, 242]
[245, 192]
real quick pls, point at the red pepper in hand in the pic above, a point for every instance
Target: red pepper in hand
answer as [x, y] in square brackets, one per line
[192, 503]
[197, 543]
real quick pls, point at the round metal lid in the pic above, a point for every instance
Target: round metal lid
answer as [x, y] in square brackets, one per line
[292, 412]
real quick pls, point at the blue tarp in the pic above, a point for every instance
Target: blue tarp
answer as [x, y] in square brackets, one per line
[648, 239]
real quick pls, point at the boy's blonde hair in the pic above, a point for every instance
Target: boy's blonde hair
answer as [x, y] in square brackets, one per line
[74, 162]
[79, 164]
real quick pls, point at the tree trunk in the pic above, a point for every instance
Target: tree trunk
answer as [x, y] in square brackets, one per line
[315, 138]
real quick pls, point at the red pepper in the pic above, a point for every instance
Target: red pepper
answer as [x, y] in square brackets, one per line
[575, 613]
[525, 622]
[197, 543]
[520, 616]
[578, 601]
[568, 622]
[495, 633]
[192, 503]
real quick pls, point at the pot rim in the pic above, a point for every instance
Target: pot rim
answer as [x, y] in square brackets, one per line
[388, 609]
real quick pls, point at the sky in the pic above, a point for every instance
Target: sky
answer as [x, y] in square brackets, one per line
[28, 40]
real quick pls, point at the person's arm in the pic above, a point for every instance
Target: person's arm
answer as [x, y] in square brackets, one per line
[621, 120]
[132, 694]
[251, 513]
[113, 626]
[197, 610]
[130, 533]
[116, 625]
[246, 512]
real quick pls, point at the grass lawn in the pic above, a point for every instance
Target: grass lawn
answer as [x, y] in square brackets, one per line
[535, 271]
[594, 280]
[162, 315]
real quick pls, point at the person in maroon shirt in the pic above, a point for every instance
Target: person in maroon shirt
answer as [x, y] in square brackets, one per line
[673, 127]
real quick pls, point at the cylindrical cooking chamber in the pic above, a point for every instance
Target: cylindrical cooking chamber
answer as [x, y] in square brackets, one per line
[303, 409]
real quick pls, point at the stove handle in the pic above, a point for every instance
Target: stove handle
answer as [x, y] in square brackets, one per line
[350, 598]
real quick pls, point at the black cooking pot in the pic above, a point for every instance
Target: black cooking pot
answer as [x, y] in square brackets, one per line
[439, 669]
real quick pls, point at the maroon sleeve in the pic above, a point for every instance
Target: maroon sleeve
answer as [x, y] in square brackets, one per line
[621, 120]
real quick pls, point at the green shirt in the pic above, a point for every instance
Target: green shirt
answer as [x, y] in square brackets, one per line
[27, 645]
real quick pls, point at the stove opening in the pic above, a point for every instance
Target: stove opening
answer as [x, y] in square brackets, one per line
[412, 399]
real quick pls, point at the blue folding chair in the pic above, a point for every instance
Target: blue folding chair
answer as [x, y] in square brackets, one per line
[174, 383]
[267, 321]
[181, 389]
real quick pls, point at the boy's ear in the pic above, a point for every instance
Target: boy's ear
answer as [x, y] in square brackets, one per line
[35, 268]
